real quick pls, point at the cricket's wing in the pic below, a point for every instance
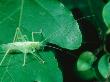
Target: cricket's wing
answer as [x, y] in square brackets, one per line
[19, 37]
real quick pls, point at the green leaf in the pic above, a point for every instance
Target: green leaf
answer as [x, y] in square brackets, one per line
[57, 23]
[13, 71]
[84, 65]
[106, 14]
[104, 66]
[85, 61]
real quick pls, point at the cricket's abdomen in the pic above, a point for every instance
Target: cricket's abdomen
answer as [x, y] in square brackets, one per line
[24, 47]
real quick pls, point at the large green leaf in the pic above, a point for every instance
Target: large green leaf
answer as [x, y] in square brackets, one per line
[58, 26]
[106, 14]
[57, 23]
[13, 71]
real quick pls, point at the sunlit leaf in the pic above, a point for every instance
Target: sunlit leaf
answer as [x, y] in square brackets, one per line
[84, 65]
[106, 14]
[104, 66]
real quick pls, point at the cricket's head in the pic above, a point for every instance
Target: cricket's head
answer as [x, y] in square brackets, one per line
[37, 45]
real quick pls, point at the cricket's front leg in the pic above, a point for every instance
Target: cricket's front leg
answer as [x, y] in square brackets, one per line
[24, 60]
[38, 57]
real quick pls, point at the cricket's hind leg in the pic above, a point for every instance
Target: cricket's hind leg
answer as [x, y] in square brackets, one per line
[19, 37]
[36, 56]
[4, 56]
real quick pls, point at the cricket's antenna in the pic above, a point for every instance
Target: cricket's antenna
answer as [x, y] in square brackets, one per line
[53, 47]
[85, 17]
[21, 13]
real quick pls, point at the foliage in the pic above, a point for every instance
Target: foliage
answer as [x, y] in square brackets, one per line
[93, 18]
[75, 37]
